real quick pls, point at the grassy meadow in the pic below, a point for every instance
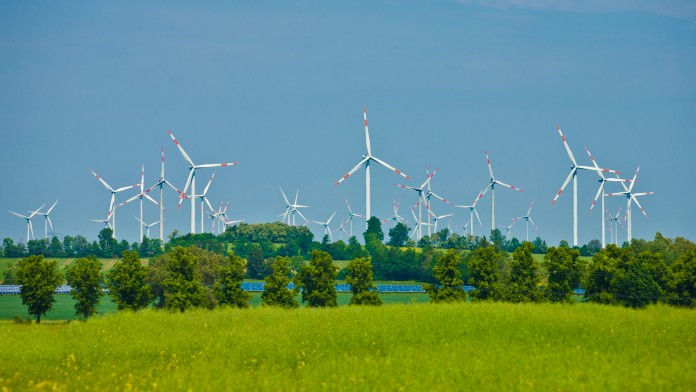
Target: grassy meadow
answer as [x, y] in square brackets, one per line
[469, 346]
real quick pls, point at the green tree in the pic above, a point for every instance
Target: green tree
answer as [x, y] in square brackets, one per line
[228, 288]
[354, 249]
[524, 276]
[9, 276]
[182, 289]
[449, 275]
[398, 235]
[681, 289]
[257, 268]
[39, 279]
[374, 230]
[635, 287]
[107, 243]
[559, 264]
[360, 280]
[317, 280]
[484, 273]
[128, 283]
[83, 278]
[276, 291]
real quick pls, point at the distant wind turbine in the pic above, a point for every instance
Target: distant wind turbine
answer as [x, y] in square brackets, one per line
[30, 228]
[366, 160]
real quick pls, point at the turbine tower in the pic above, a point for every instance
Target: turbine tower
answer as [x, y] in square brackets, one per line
[112, 205]
[602, 181]
[491, 186]
[631, 197]
[367, 159]
[204, 200]
[573, 175]
[30, 228]
[48, 218]
[191, 181]
[148, 226]
[161, 183]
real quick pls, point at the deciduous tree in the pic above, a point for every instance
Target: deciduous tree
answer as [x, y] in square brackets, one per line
[228, 287]
[317, 280]
[276, 291]
[360, 280]
[524, 276]
[182, 289]
[39, 279]
[83, 278]
[448, 273]
[128, 283]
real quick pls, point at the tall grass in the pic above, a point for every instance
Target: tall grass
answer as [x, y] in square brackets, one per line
[480, 346]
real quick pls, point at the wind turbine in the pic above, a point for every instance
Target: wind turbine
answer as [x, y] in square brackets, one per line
[418, 223]
[30, 228]
[614, 222]
[191, 181]
[396, 217]
[106, 222]
[435, 218]
[112, 204]
[491, 186]
[367, 159]
[140, 197]
[292, 209]
[424, 193]
[342, 228]
[602, 181]
[327, 230]
[472, 211]
[527, 219]
[204, 199]
[148, 226]
[48, 218]
[350, 217]
[631, 197]
[573, 174]
[161, 183]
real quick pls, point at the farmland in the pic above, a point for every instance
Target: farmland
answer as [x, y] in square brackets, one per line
[474, 346]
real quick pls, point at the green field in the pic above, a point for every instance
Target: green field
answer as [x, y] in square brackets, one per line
[479, 347]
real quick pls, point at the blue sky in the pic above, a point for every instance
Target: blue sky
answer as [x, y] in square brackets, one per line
[280, 87]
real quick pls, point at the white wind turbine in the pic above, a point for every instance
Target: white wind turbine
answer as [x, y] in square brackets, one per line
[435, 218]
[573, 174]
[30, 228]
[204, 200]
[106, 222]
[292, 209]
[48, 218]
[395, 217]
[631, 197]
[342, 228]
[161, 183]
[527, 218]
[472, 211]
[367, 159]
[602, 181]
[191, 181]
[148, 226]
[351, 214]
[225, 220]
[112, 204]
[424, 194]
[614, 222]
[140, 197]
[491, 186]
[327, 230]
[417, 222]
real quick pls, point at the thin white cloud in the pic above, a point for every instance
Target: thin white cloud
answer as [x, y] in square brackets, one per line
[680, 9]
